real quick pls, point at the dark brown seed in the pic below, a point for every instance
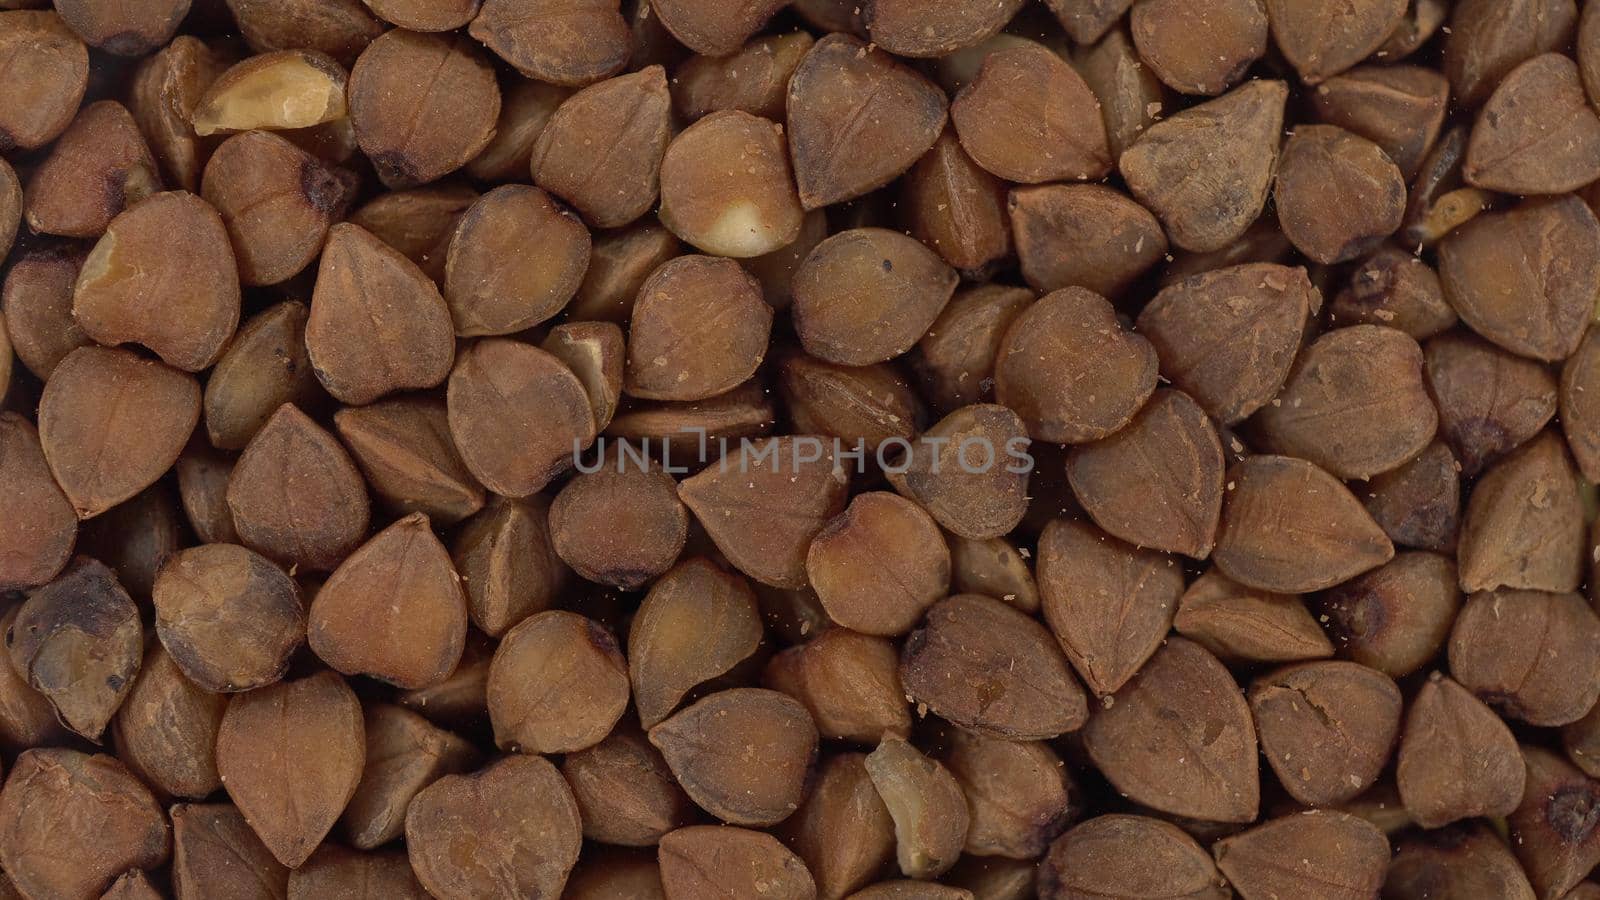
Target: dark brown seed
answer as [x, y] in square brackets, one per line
[339, 28]
[1087, 20]
[1354, 404]
[10, 207]
[1290, 527]
[99, 398]
[1554, 831]
[323, 518]
[985, 666]
[1399, 108]
[697, 623]
[955, 207]
[556, 42]
[291, 755]
[1439, 203]
[377, 324]
[511, 829]
[1029, 117]
[1087, 236]
[1580, 415]
[133, 884]
[525, 108]
[102, 822]
[264, 367]
[1394, 288]
[1240, 624]
[849, 682]
[620, 525]
[1524, 523]
[419, 223]
[956, 357]
[393, 610]
[858, 120]
[611, 873]
[49, 71]
[404, 755]
[1070, 371]
[508, 566]
[1132, 855]
[620, 263]
[1338, 195]
[515, 260]
[417, 130]
[1490, 402]
[918, 28]
[41, 524]
[630, 115]
[334, 871]
[1588, 51]
[99, 167]
[458, 701]
[743, 755]
[1322, 38]
[1521, 278]
[763, 506]
[1019, 794]
[134, 537]
[77, 641]
[1199, 48]
[1396, 617]
[229, 617]
[277, 201]
[1229, 337]
[1158, 482]
[558, 683]
[842, 830]
[1418, 505]
[744, 413]
[726, 187]
[517, 414]
[422, 15]
[867, 295]
[166, 729]
[927, 804]
[178, 298]
[1488, 39]
[1109, 604]
[1316, 853]
[712, 28]
[1130, 95]
[1327, 728]
[404, 448]
[1537, 134]
[699, 329]
[1179, 738]
[1470, 860]
[27, 719]
[625, 792]
[1581, 740]
[278, 91]
[163, 95]
[1457, 759]
[872, 405]
[878, 565]
[708, 861]
[1204, 214]
[215, 854]
[595, 352]
[1530, 655]
[754, 80]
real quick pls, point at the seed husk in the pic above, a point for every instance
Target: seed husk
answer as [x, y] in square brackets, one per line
[1470, 860]
[1242, 126]
[848, 681]
[1418, 504]
[1457, 758]
[1399, 108]
[625, 792]
[515, 260]
[1334, 537]
[629, 114]
[559, 43]
[1524, 522]
[711, 745]
[1199, 48]
[291, 755]
[1228, 337]
[1029, 117]
[277, 202]
[334, 871]
[525, 108]
[418, 222]
[699, 328]
[1338, 194]
[842, 831]
[1113, 239]
[214, 853]
[517, 414]
[1530, 655]
[393, 610]
[1315, 852]
[1020, 796]
[754, 80]
[404, 755]
[1327, 728]
[900, 115]
[992, 670]
[230, 618]
[98, 167]
[166, 729]
[1129, 854]
[878, 565]
[529, 849]
[50, 72]
[1179, 738]
[558, 683]
[292, 449]
[1396, 617]
[1322, 38]
[104, 822]
[726, 187]
[508, 565]
[404, 448]
[1240, 624]
[99, 397]
[42, 524]
[927, 804]
[1108, 604]
[708, 861]
[618, 266]
[179, 299]
[1487, 40]
[1553, 831]
[277, 91]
